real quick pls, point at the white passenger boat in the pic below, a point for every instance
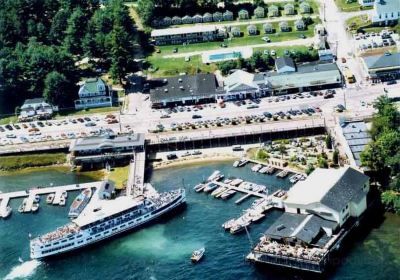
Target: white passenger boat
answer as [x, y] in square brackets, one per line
[50, 198]
[197, 255]
[105, 219]
[228, 224]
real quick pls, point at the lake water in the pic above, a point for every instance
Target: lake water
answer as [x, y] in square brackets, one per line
[162, 250]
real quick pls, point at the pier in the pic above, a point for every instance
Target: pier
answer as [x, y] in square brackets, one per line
[135, 183]
[31, 194]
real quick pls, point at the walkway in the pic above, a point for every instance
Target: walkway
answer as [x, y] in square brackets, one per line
[135, 181]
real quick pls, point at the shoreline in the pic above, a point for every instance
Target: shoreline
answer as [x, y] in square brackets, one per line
[60, 167]
[193, 161]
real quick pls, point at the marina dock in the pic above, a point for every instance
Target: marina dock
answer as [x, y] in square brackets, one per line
[135, 183]
[31, 194]
[240, 200]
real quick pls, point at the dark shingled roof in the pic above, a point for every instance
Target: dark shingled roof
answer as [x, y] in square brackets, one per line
[281, 62]
[347, 188]
[174, 89]
[383, 61]
[302, 227]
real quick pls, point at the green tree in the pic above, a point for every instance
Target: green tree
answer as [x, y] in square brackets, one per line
[58, 27]
[57, 89]
[335, 157]
[146, 10]
[328, 141]
[76, 28]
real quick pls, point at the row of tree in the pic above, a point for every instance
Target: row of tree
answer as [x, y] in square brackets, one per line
[41, 42]
[263, 62]
[382, 155]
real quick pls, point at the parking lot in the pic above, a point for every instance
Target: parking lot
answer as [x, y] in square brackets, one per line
[374, 40]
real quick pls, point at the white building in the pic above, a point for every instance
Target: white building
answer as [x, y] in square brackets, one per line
[366, 3]
[386, 12]
[94, 93]
[35, 108]
[332, 194]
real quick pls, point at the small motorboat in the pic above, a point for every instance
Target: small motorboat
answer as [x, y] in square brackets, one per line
[242, 162]
[80, 203]
[50, 198]
[236, 163]
[210, 187]
[256, 167]
[228, 194]
[35, 207]
[65, 194]
[5, 214]
[62, 201]
[197, 255]
[37, 198]
[216, 174]
[218, 191]
[199, 187]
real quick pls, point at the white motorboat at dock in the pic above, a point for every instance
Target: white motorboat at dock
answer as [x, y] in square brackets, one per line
[282, 174]
[199, 187]
[256, 167]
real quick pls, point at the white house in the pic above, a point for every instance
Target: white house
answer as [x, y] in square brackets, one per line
[386, 12]
[285, 64]
[94, 93]
[366, 3]
[35, 107]
[332, 194]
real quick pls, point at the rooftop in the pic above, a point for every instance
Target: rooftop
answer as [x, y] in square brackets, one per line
[106, 142]
[344, 185]
[34, 101]
[90, 84]
[284, 61]
[299, 226]
[357, 137]
[382, 61]
[178, 87]
[387, 6]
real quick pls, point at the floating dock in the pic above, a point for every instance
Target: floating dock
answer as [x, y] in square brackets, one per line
[31, 194]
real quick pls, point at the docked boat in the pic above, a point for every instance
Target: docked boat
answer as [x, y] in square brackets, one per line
[236, 163]
[293, 179]
[236, 182]
[256, 167]
[199, 187]
[35, 207]
[282, 174]
[270, 170]
[228, 180]
[104, 219]
[50, 198]
[239, 227]
[228, 194]
[197, 255]
[242, 162]
[263, 170]
[21, 208]
[37, 198]
[210, 187]
[62, 201]
[228, 224]
[216, 175]
[80, 203]
[65, 194]
[218, 191]
[6, 212]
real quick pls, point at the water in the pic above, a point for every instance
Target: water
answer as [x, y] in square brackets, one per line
[224, 56]
[162, 251]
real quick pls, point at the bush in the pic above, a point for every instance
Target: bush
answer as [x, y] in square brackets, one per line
[391, 201]
[262, 154]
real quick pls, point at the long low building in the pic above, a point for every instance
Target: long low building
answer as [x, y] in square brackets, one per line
[105, 148]
[189, 34]
[183, 90]
[382, 67]
[305, 77]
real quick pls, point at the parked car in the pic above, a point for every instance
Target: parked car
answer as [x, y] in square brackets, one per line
[196, 116]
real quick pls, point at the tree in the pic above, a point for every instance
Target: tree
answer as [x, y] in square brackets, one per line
[57, 89]
[335, 157]
[146, 9]
[75, 31]
[58, 26]
[328, 141]
[227, 66]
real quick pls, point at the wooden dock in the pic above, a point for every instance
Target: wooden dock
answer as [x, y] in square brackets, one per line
[291, 170]
[30, 194]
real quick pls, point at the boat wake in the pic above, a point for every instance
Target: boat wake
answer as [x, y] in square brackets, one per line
[23, 270]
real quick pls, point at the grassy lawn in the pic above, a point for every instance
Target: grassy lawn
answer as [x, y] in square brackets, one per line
[7, 120]
[8, 163]
[119, 176]
[71, 113]
[350, 6]
[363, 24]
[173, 66]
[244, 40]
